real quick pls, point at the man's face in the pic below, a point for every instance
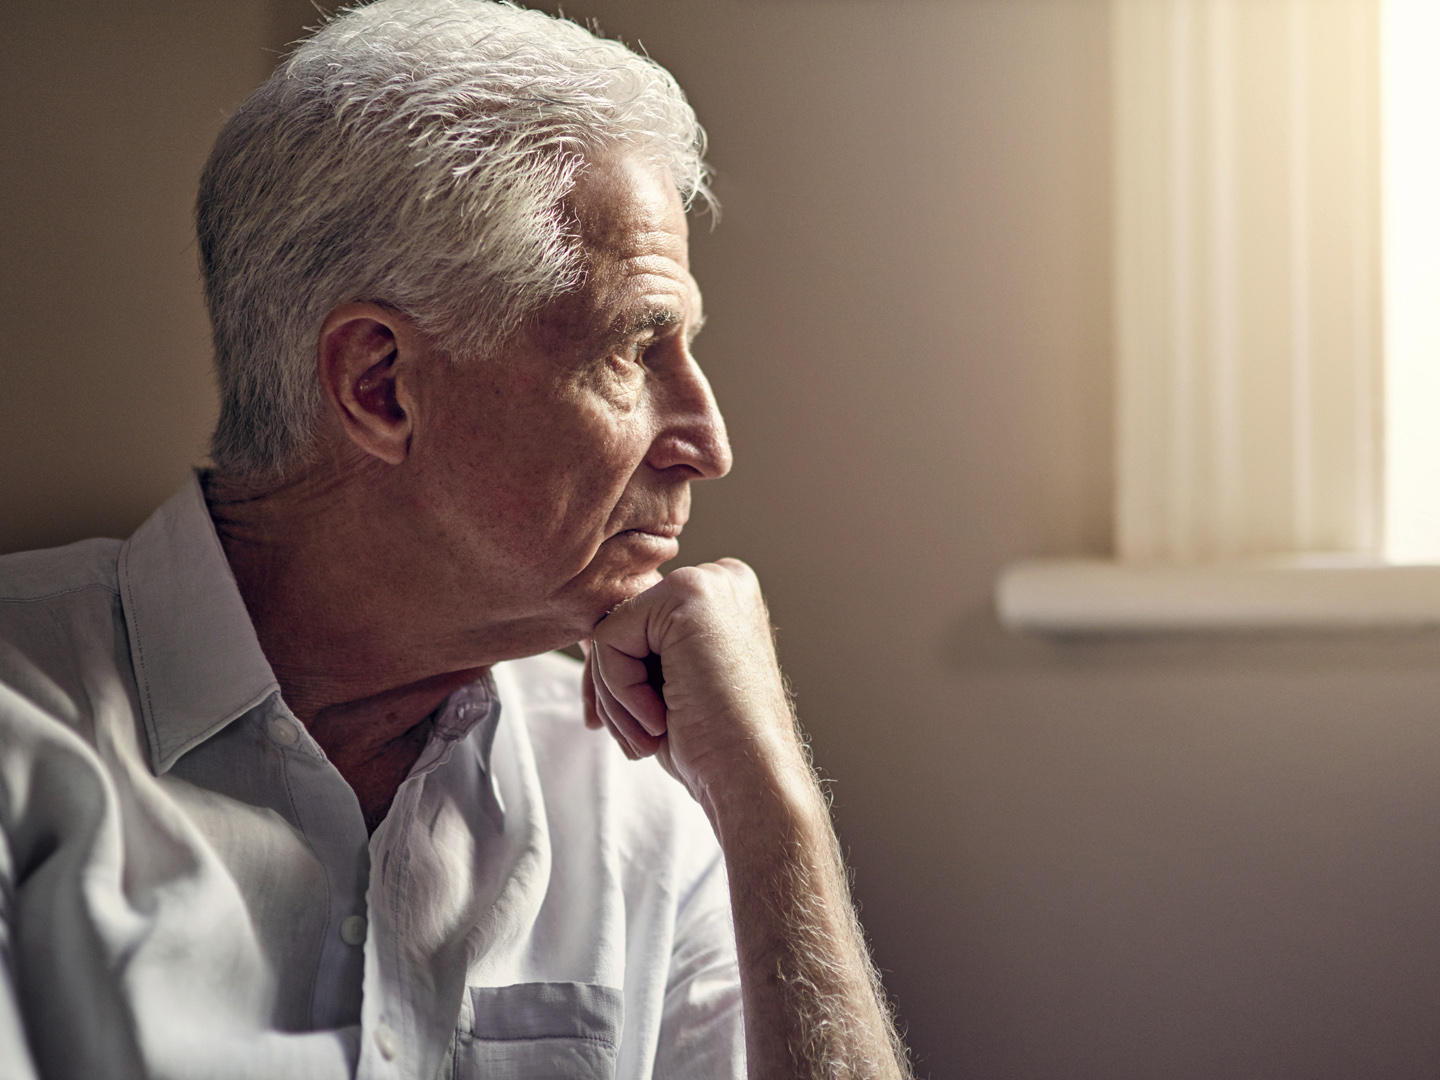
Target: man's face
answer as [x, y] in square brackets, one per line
[557, 476]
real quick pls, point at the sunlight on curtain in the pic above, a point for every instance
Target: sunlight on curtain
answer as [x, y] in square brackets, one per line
[1247, 271]
[1410, 88]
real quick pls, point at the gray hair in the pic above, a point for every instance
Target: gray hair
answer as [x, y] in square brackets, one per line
[414, 153]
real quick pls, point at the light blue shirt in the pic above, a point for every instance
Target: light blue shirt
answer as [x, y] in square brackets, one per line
[187, 888]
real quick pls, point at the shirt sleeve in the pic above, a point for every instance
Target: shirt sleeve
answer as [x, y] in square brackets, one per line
[702, 1031]
[57, 816]
[15, 1059]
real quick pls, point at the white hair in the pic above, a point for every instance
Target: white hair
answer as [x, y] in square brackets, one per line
[417, 154]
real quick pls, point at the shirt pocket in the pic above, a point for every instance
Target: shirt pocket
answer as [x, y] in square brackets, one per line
[541, 1031]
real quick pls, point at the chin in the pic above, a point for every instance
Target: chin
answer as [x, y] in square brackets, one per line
[618, 590]
[614, 575]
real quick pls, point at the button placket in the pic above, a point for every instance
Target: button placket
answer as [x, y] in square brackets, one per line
[329, 818]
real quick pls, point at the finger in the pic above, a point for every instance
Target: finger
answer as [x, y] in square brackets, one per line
[602, 718]
[627, 678]
[587, 690]
[641, 742]
[625, 726]
[626, 747]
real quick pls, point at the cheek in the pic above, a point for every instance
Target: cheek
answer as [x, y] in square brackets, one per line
[530, 472]
[556, 476]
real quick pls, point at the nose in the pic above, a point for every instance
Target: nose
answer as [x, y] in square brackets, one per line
[690, 429]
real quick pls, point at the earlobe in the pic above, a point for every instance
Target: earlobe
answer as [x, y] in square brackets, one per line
[363, 367]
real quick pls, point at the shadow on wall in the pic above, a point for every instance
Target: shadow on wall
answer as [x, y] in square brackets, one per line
[108, 395]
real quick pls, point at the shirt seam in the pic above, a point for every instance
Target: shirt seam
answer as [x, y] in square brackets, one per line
[59, 593]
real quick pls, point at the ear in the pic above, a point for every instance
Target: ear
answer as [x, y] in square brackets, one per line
[366, 360]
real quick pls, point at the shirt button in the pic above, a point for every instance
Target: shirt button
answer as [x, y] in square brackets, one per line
[283, 731]
[352, 930]
[387, 1042]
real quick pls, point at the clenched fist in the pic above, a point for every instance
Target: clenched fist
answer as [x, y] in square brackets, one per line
[722, 723]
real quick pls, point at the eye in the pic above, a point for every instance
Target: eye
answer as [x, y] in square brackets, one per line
[635, 351]
[624, 367]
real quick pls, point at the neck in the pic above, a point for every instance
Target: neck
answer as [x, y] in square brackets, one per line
[358, 661]
[316, 596]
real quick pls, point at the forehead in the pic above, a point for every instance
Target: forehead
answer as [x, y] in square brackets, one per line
[633, 230]
[627, 208]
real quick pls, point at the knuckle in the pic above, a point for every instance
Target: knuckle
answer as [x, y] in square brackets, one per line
[689, 580]
[742, 576]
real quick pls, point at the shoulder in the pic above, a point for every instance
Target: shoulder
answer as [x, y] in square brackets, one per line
[61, 626]
[31, 576]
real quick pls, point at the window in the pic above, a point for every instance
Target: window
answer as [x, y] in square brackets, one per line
[1410, 128]
[1277, 293]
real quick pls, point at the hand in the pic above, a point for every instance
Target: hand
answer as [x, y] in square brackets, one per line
[723, 717]
[722, 725]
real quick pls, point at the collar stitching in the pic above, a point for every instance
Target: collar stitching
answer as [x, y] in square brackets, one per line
[142, 676]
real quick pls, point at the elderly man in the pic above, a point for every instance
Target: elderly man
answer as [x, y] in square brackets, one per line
[289, 784]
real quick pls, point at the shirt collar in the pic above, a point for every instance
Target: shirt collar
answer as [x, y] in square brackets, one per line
[474, 707]
[198, 664]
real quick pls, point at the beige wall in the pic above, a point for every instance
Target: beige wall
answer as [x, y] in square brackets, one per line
[1120, 859]
[109, 112]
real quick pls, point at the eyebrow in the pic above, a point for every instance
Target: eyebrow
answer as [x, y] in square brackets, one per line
[653, 319]
[658, 319]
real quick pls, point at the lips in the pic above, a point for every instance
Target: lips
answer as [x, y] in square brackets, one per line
[662, 521]
[654, 518]
[668, 530]
[654, 541]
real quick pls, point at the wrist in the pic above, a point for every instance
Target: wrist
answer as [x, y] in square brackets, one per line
[764, 797]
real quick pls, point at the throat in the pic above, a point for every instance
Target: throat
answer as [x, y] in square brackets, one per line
[376, 778]
[375, 742]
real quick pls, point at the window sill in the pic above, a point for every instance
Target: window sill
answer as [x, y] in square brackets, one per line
[1336, 592]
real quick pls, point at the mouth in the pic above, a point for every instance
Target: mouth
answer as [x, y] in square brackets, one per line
[653, 542]
[669, 530]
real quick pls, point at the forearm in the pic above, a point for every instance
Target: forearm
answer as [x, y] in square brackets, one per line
[814, 1007]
